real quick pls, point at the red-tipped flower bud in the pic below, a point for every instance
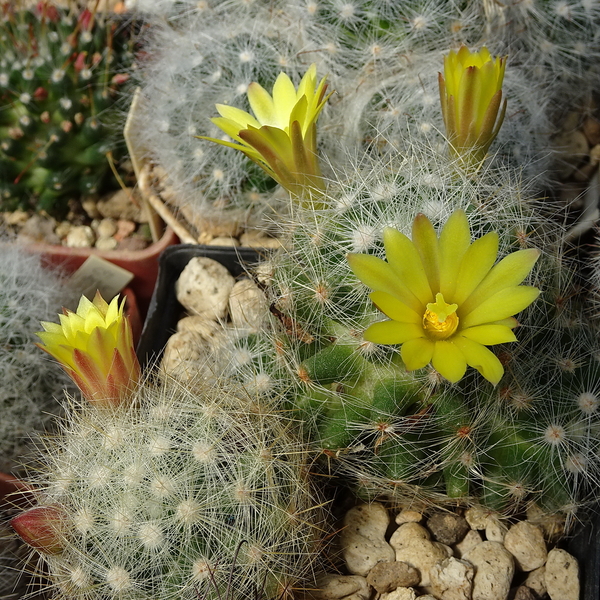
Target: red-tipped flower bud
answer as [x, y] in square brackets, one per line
[40, 527]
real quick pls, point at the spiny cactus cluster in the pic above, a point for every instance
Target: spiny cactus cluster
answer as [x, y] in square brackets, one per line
[61, 71]
[31, 385]
[183, 492]
[381, 59]
[531, 438]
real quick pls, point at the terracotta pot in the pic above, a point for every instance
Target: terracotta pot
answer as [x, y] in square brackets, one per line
[142, 263]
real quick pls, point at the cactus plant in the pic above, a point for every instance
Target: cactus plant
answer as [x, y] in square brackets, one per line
[181, 490]
[521, 431]
[60, 75]
[382, 62]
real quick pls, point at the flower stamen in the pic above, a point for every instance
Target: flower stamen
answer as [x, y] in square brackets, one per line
[440, 320]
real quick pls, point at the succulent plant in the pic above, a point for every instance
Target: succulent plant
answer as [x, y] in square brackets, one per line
[183, 491]
[418, 420]
[61, 73]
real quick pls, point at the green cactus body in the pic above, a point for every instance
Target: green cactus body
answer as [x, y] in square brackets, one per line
[59, 103]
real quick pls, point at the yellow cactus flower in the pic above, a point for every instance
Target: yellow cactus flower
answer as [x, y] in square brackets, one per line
[94, 345]
[445, 298]
[282, 136]
[471, 99]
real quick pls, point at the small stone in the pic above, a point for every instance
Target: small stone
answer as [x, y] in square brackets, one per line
[122, 204]
[106, 228]
[524, 593]
[562, 575]
[412, 544]
[470, 540]
[447, 528]
[363, 538]
[132, 243]
[248, 306]
[90, 208]
[387, 576]
[187, 355]
[526, 543]
[400, 594]
[106, 244]
[536, 580]
[207, 329]
[81, 236]
[477, 517]
[124, 229]
[203, 288]
[336, 587]
[495, 530]
[254, 240]
[408, 516]
[224, 241]
[452, 579]
[570, 149]
[494, 570]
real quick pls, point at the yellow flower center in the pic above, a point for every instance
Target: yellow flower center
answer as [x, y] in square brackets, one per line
[440, 320]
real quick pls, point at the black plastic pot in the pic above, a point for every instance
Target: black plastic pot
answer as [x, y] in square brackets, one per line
[165, 311]
[585, 547]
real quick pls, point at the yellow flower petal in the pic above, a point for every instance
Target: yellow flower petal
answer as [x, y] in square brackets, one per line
[489, 334]
[425, 240]
[480, 358]
[236, 117]
[505, 303]
[417, 353]
[448, 361]
[455, 239]
[404, 259]
[392, 332]
[475, 265]
[509, 272]
[284, 98]
[394, 309]
[379, 276]
[261, 104]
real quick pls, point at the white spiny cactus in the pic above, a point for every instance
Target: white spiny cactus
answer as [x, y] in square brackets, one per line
[173, 495]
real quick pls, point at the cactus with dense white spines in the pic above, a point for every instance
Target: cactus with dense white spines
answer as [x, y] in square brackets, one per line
[174, 494]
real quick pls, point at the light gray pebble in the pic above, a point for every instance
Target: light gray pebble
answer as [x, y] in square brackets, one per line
[470, 540]
[536, 580]
[203, 288]
[494, 572]
[248, 306]
[363, 538]
[400, 594]
[526, 543]
[413, 545]
[452, 579]
[336, 587]
[562, 575]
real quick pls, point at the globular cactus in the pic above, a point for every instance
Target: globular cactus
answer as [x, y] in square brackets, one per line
[31, 384]
[184, 490]
[61, 71]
